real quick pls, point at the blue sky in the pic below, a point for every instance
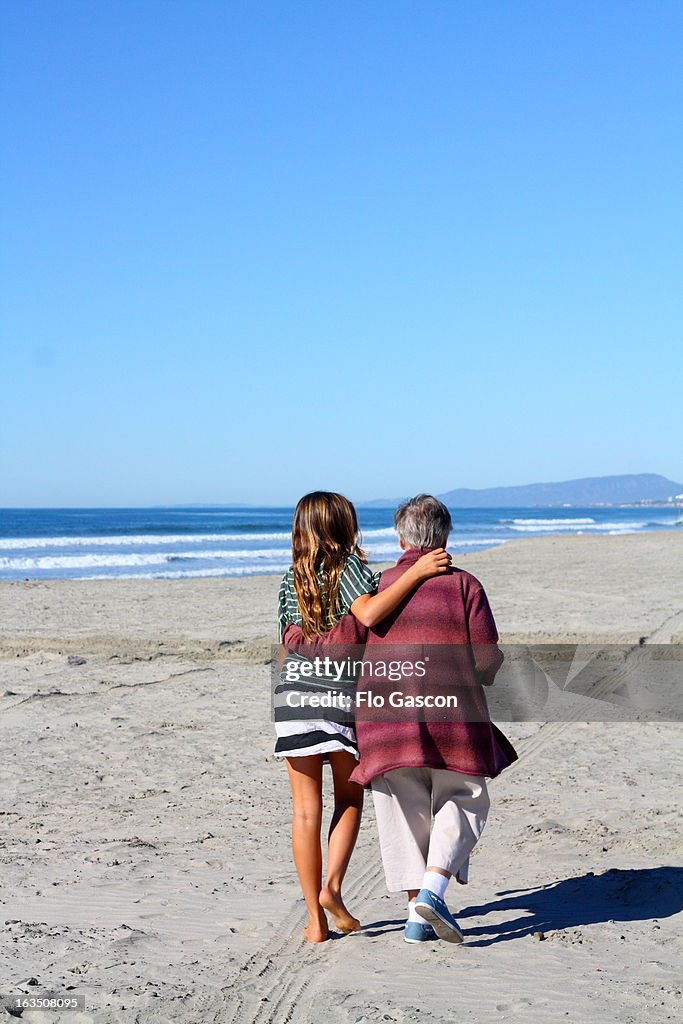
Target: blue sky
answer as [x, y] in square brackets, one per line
[256, 248]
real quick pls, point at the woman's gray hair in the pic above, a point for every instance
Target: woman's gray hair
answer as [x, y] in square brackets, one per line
[423, 522]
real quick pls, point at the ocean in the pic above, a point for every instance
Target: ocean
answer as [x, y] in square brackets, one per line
[172, 543]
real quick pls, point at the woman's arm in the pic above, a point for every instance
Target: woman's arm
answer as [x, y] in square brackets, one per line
[372, 608]
[483, 633]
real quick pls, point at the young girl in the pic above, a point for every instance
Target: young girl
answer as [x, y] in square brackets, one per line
[328, 579]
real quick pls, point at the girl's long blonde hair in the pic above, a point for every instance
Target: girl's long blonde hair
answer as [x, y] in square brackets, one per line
[324, 534]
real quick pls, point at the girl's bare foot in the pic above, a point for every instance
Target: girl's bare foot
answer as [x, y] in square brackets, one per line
[333, 903]
[316, 929]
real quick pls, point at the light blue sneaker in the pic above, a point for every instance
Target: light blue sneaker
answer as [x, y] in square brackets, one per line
[436, 913]
[416, 932]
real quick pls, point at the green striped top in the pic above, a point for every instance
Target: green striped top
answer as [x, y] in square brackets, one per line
[357, 578]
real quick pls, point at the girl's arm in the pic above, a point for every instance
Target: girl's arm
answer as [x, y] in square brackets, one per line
[347, 636]
[372, 608]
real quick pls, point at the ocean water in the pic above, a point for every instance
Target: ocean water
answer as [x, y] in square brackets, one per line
[173, 543]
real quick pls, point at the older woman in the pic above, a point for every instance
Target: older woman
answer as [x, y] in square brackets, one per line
[428, 778]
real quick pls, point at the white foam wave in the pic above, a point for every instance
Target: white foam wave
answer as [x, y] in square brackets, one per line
[453, 542]
[136, 540]
[159, 539]
[375, 550]
[484, 541]
[244, 570]
[183, 556]
[550, 522]
[251, 557]
[592, 527]
[124, 559]
[251, 569]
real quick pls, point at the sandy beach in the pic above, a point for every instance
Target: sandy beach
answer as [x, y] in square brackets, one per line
[144, 824]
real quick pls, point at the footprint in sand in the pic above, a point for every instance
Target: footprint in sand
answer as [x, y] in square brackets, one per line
[514, 1007]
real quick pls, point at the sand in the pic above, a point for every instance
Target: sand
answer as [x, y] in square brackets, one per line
[144, 824]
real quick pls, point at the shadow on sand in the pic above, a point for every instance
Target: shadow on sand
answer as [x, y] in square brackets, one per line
[383, 927]
[639, 894]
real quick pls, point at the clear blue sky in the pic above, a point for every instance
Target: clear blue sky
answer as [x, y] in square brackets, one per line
[252, 248]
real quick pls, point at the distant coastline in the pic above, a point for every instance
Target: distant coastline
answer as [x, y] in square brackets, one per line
[622, 491]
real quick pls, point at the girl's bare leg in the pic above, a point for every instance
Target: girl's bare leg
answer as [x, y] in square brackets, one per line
[305, 776]
[348, 807]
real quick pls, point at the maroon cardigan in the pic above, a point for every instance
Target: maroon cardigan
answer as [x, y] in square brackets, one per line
[448, 609]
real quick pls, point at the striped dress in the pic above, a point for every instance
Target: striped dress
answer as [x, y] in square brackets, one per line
[332, 729]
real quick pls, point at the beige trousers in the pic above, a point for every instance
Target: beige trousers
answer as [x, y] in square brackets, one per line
[427, 817]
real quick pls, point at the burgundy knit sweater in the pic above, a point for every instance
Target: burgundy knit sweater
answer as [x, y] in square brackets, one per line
[448, 609]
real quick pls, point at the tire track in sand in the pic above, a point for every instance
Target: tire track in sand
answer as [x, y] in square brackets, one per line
[286, 964]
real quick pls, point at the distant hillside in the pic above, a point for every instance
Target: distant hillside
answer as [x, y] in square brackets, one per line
[591, 490]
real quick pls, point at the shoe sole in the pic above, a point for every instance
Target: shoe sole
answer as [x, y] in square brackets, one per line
[444, 929]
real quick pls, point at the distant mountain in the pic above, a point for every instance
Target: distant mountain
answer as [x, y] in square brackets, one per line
[591, 490]
[209, 504]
